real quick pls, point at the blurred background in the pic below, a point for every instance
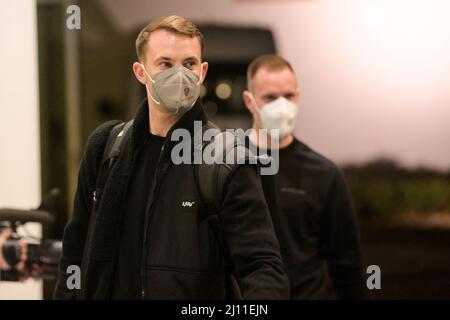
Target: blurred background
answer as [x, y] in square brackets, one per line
[374, 79]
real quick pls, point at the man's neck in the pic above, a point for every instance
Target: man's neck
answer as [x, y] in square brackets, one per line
[266, 143]
[160, 122]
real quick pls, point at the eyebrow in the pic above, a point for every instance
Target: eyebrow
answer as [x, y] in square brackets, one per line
[273, 94]
[163, 58]
[269, 94]
[191, 58]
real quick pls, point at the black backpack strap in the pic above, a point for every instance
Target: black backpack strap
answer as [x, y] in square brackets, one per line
[210, 181]
[210, 178]
[111, 152]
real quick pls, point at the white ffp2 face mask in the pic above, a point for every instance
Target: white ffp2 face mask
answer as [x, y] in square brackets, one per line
[176, 89]
[278, 114]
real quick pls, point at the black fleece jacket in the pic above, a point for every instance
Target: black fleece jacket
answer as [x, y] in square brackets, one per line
[182, 259]
[317, 227]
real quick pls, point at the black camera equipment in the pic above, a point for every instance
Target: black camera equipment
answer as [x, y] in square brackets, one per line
[42, 254]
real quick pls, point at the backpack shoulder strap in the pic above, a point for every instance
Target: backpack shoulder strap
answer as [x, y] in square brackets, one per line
[114, 143]
[111, 152]
[209, 178]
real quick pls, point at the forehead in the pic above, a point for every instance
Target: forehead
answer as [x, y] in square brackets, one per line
[173, 45]
[277, 80]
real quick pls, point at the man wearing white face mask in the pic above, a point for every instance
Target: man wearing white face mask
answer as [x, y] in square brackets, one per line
[139, 229]
[315, 222]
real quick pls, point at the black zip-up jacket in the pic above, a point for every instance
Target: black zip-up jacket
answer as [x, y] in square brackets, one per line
[182, 259]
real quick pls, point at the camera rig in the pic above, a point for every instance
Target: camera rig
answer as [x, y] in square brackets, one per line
[43, 255]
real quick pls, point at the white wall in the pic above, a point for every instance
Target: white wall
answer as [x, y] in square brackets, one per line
[19, 115]
[374, 74]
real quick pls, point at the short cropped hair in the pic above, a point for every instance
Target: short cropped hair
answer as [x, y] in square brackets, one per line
[272, 62]
[174, 24]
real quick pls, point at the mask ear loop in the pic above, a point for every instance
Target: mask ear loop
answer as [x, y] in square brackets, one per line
[254, 102]
[153, 81]
[201, 75]
[254, 133]
[199, 82]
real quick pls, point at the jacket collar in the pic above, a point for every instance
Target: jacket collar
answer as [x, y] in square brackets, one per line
[141, 124]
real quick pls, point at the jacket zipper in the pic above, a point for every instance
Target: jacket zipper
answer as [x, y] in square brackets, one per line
[148, 214]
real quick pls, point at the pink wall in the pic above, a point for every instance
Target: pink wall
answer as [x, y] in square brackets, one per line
[374, 75]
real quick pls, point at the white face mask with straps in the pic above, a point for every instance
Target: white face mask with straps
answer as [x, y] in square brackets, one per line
[278, 114]
[175, 89]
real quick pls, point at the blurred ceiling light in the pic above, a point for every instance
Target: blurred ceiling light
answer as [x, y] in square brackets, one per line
[223, 90]
[203, 90]
[210, 108]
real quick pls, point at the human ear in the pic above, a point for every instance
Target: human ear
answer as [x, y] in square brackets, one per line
[139, 72]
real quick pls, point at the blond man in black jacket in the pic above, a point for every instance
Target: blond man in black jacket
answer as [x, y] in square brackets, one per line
[138, 238]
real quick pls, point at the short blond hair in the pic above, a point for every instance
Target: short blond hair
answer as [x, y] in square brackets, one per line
[174, 24]
[272, 62]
